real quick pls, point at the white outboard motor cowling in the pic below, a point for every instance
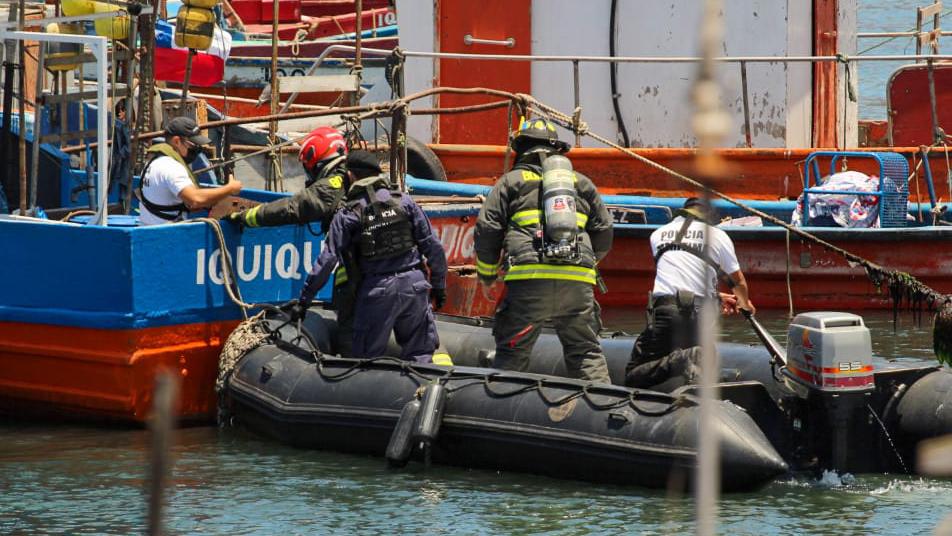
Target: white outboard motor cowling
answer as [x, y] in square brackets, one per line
[830, 368]
[830, 352]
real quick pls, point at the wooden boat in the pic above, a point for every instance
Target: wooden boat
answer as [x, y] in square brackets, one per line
[818, 279]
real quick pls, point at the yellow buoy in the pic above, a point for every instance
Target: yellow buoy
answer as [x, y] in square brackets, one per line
[113, 27]
[205, 4]
[63, 50]
[73, 8]
[194, 27]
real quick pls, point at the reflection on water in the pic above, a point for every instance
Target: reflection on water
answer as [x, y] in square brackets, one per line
[60, 479]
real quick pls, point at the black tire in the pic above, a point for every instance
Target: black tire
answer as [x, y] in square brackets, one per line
[422, 162]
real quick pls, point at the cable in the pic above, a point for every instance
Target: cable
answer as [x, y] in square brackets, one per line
[614, 75]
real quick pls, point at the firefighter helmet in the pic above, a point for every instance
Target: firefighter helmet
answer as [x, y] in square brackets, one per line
[321, 145]
[534, 132]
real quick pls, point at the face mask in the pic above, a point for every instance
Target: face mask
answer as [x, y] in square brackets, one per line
[192, 154]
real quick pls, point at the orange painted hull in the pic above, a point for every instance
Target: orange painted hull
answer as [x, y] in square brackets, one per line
[767, 174]
[41, 364]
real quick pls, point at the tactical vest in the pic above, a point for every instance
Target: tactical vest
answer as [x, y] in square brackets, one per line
[166, 212]
[385, 226]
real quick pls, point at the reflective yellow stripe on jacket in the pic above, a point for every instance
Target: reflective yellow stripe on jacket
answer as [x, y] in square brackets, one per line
[564, 272]
[485, 269]
[340, 276]
[251, 217]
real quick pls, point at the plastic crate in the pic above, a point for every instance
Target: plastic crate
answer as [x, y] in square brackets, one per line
[893, 193]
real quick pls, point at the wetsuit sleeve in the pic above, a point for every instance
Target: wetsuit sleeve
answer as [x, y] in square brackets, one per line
[338, 238]
[599, 224]
[429, 244]
[491, 230]
[312, 204]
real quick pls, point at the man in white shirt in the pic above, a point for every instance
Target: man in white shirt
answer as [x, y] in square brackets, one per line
[169, 188]
[691, 256]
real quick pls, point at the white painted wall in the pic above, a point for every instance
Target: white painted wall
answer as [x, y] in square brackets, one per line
[415, 18]
[655, 98]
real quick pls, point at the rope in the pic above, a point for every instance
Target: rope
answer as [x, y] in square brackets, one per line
[299, 36]
[789, 289]
[227, 270]
[878, 274]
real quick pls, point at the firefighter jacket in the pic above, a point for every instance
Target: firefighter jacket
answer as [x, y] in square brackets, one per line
[510, 228]
[316, 203]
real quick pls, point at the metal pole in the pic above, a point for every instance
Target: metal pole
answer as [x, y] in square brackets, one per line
[578, 99]
[275, 96]
[130, 80]
[5, 156]
[186, 80]
[937, 135]
[743, 85]
[358, 68]
[21, 159]
[35, 148]
[102, 183]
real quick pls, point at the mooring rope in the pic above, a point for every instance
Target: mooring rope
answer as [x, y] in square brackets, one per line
[899, 283]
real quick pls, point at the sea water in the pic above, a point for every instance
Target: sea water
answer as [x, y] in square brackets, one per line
[889, 16]
[68, 479]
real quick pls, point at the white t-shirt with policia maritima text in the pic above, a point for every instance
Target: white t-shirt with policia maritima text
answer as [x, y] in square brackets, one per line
[680, 270]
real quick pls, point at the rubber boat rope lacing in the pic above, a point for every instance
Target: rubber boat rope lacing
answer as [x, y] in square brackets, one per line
[244, 338]
[460, 380]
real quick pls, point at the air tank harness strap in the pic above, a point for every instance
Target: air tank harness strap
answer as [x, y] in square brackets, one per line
[678, 245]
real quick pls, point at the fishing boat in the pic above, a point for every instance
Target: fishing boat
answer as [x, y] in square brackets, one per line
[619, 95]
[782, 268]
[816, 414]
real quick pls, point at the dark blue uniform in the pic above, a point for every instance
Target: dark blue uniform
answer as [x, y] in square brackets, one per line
[394, 293]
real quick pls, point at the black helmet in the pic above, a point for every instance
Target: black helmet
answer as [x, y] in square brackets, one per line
[534, 132]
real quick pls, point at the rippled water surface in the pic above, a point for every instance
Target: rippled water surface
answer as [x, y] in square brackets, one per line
[65, 479]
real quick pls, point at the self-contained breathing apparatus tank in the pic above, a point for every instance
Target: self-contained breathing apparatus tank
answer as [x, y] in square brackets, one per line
[830, 369]
[559, 210]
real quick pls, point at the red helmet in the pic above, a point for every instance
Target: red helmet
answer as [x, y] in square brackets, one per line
[323, 143]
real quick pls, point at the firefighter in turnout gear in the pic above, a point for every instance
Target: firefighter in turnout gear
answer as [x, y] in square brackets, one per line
[383, 238]
[549, 275]
[690, 255]
[323, 154]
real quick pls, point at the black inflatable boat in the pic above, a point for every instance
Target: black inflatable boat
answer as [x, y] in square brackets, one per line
[830, 407]
[288, 390]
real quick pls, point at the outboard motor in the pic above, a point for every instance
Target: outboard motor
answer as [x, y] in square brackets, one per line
[830, 368]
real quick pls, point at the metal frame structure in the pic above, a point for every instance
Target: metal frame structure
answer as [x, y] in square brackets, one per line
[98, 45]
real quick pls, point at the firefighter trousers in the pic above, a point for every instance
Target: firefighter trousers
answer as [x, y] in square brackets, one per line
[573, 312]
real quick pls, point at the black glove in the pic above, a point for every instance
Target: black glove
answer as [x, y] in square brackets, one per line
[237, 219]
[296, 309]
[438, 295]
